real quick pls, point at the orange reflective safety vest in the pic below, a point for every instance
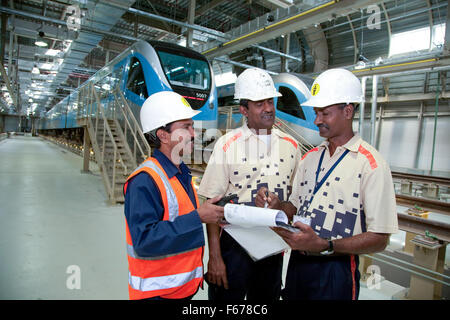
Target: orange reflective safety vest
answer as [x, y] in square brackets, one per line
[172, 276]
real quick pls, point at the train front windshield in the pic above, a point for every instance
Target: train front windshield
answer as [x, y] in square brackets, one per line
[188, 76]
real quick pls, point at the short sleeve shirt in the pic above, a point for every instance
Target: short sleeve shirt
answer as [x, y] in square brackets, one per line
[241, 163]
[357, 196]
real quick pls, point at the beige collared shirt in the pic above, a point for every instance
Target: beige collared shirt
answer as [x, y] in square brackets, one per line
[358, 195]
[241, 163]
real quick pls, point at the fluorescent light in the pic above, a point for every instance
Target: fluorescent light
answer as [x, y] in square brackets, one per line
[52, 52]
[41, 43]
[47, 66]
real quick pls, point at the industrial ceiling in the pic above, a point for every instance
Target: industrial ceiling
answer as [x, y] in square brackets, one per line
[306, 36]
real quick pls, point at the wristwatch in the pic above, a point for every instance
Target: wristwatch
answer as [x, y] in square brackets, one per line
[329, 250]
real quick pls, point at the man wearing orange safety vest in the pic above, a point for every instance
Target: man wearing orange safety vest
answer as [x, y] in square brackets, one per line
[164, 233]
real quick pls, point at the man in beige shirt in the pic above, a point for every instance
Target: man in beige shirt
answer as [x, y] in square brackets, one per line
[244, 160]
[343, 198]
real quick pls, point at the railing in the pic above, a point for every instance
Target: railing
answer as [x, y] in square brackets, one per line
[138, 144]
[106, 114]
[102, 136]
[280, 124]
[284, 126]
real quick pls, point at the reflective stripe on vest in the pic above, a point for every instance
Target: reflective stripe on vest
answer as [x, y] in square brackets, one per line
[164, 282]
[132, 253]
[171, 198]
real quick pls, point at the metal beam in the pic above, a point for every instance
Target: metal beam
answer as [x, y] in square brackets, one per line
[447, 33]
[281, 54]
[242, 65]
[423, 64]
[209, 6]
[191, 18]
[412, 97]
[291, 24]
[215, 33]
[315, 37]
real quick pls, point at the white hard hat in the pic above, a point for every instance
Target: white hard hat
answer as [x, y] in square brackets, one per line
[335, 86]
[255, 84]
[162, 108]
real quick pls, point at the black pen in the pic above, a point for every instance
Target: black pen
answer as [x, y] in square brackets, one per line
[267, 195]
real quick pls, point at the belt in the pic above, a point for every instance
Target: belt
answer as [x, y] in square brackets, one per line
[318, 254]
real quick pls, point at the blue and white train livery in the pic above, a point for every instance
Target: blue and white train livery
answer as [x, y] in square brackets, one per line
[141, 70]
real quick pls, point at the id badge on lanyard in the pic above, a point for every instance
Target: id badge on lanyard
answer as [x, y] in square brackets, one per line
[318, 183]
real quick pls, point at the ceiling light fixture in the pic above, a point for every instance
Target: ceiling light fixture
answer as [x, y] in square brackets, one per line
[52, 52]
[40, 43]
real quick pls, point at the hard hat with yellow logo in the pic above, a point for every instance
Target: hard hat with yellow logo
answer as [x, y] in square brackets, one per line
[335, 86]
[162, 108]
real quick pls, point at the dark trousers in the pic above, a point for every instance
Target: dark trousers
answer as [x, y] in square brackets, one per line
[322, 277]
[258, 280]
[158, 298]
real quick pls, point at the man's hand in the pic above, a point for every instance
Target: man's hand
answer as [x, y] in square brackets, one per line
[272, 199]
[217, 272]
[210, 213]
[306, 240]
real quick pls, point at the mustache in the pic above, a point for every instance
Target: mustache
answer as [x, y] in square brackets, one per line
[323, 125]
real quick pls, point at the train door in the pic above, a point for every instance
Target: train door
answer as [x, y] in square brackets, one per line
[289, 107]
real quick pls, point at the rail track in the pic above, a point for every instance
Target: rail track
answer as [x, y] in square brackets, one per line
[442, 181]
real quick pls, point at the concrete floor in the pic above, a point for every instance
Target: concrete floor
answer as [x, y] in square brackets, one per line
[54, 219]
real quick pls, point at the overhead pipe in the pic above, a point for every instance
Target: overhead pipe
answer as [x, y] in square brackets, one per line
[281, 54]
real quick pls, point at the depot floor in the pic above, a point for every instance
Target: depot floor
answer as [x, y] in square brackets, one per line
[56, 223]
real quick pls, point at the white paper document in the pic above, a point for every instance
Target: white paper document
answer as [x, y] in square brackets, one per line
[247, 216]
[249, 226]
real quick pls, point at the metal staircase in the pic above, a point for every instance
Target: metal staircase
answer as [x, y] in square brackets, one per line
[116, 138]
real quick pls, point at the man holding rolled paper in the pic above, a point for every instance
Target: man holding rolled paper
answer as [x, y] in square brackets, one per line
[244, 160]
[342, 201]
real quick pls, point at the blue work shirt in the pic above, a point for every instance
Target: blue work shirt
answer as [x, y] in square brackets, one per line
[144, 211]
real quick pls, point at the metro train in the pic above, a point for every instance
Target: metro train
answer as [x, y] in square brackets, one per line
[295, 90]
[147, 67]
[141, 70]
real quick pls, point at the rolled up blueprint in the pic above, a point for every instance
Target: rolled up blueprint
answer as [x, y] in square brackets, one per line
[247, 216]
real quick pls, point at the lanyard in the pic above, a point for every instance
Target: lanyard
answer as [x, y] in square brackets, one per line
[318, 185]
